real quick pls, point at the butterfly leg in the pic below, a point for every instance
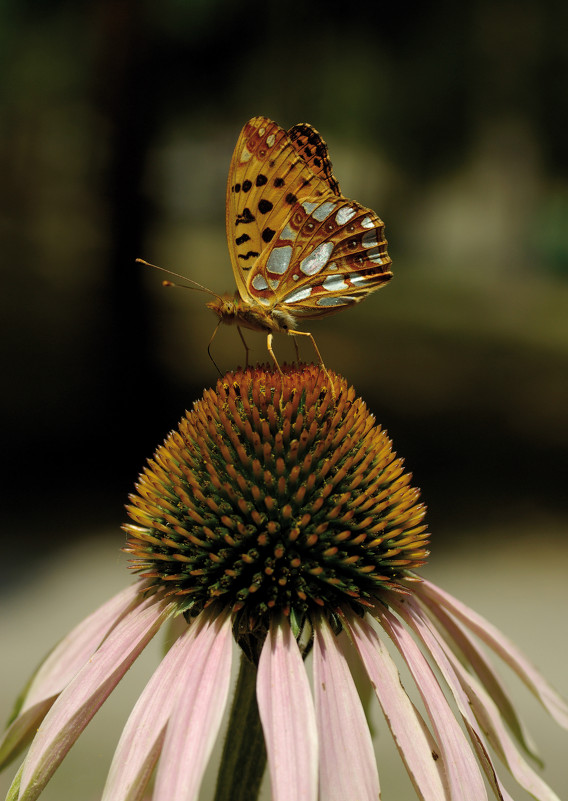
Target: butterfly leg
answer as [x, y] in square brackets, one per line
[297, 350]
[247, 349]
[275, 360]
[322, 365]
[209, 347]
[273, 357]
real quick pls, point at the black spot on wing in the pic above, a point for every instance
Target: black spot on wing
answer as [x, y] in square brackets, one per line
[252, 254]
[264, 206]
[261, 179]
[246, 217]
[268, 235]
[240, 240]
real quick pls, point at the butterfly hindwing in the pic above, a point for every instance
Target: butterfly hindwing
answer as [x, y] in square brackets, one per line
[296, 243]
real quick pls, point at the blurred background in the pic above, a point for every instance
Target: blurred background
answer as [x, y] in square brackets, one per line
[118, 119]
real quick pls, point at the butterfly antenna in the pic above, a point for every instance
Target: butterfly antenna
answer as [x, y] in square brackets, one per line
[189, 282]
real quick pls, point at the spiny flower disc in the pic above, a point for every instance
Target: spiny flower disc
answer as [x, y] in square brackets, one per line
[276, 495]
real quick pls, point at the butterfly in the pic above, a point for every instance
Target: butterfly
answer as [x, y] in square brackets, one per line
[299, 249]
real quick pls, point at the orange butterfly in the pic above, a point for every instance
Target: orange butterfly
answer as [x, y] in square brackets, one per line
[299, 249]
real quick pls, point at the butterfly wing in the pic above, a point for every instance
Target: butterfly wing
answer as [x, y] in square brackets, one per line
[296, 243]
[311, 148]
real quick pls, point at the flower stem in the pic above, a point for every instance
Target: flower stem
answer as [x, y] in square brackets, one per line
[244, 753]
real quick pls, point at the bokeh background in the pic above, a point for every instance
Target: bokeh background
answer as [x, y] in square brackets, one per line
[117, 123]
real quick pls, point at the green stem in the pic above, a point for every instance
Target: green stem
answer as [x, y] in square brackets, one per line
[244, 753]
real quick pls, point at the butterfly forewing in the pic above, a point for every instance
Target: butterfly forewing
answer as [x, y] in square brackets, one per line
[313, 150]
[297, 245]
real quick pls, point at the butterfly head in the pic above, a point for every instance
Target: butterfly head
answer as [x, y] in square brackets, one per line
[225, 307]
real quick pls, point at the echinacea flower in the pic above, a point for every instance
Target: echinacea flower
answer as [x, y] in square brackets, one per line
[278, 517]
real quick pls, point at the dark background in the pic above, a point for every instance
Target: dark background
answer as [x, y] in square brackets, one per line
[118, 119]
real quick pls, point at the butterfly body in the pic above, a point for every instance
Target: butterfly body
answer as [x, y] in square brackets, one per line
[233, 310]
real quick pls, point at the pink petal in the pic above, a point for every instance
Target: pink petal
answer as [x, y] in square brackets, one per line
[490, 721]
[486, 673]
[348, 768]
[141, 741]
[77, 704]
[462, 770]
[510, 654]
[415, 617]
[288, 717]
[408, 729]
[66, 659]
[203, 686]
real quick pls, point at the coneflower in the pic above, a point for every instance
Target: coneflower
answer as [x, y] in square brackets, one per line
[278, 517]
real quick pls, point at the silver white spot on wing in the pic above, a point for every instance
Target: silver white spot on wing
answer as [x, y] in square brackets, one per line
[279, 259]
[366, 222]
[259, 282]
[270, 140]
[342, 301]
[345, 214]
[246, 155]
[308, 207]
[317, 259]
[377, 257]
[357, 278]
[288, 234]
[323, 211]
[273, 283]
[334, 283]
[369, 239]
[299, 294]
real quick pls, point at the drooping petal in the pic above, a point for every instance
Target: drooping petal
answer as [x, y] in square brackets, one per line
[491, 723]
[462, 769]
[348, 768]
[77, 704]
[198, 710]
[408, 729]
[415, 617]
[490, 719]
[141, 741]
[510, 654]
[14, 791]
[486, 673]
[59, 667]
[288, 717]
